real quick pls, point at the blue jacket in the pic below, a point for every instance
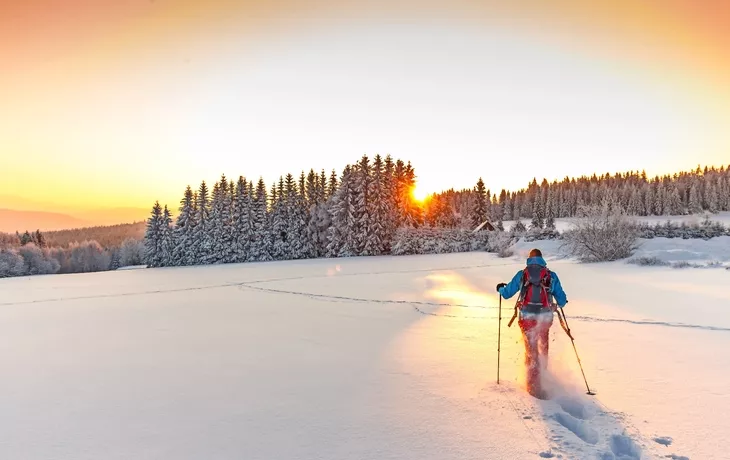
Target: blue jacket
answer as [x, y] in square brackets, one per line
[556, 290]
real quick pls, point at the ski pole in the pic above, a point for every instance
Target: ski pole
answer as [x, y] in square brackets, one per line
[499, 335]
[566, 328]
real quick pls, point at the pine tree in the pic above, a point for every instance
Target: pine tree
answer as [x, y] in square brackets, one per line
[167, 240]
[201, 242]
[261, 235]
[279, 230]
[550, 211]
[377, 210]
[344, 222]
[695, 200]
[363, 179]
[240, 221]
[390, 223]
[479, 212]
[153, 237]
[538, 215]
[184, 231]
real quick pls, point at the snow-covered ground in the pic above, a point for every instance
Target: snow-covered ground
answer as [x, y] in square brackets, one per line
[378, 358]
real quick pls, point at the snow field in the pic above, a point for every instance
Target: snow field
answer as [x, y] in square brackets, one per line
[382, 357]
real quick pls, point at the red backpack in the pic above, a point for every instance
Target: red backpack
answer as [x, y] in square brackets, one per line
[535, 293]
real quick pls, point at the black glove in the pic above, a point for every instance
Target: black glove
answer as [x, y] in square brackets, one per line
[501, 285]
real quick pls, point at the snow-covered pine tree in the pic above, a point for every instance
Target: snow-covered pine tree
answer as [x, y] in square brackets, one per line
[363, 178]
[479, 211]
[311, 198]
[167, 239]
[712, 197]
[538, 215]
[377, 209]
[400, 192]
[153, 237]
[635, 206]
[332, 185]
[414, 212]
[184, 231]
[341, 241]
[695, 200]
[215, 227]
[550, 210]
[261, 237]
[279, 231]
[302, 242]
[240, 221]
[322, 195]
[648, 199]
[202, 240]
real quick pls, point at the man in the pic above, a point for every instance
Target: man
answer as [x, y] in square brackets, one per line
[539, 290]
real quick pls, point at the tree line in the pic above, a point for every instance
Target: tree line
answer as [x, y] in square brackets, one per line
[360, 211]
[693, 192]
[317, 215]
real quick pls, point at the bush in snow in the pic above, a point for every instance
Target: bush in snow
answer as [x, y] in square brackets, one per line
[131, 253]
[37, 261]
[501, 243]
[87, 256]
[430, 240]
[11, 263]
[705, 230]
[648, 261]
[537, 234]
[603, 233]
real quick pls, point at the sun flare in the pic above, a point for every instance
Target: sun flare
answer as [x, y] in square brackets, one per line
[419, 194]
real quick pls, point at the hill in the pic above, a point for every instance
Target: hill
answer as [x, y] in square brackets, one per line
[12, 220]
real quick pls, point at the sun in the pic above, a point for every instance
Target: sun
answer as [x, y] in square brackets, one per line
[419, 194]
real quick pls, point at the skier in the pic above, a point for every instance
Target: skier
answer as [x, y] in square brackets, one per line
[540, 290]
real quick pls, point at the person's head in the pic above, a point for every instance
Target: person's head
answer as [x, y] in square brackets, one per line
[535, 253]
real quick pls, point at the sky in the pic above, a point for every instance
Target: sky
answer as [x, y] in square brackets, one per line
[110, 104]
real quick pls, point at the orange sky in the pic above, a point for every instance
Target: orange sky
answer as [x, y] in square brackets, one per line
[120, 103]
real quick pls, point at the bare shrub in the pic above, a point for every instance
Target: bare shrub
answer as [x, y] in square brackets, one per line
[602, 233]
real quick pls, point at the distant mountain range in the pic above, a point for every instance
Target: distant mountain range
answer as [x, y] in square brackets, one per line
[12, 220]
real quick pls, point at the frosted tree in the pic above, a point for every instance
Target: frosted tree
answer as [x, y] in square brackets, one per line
[260, 242]
[153, 237]
[712, 197]
[167, 239]
[377, 210]
[550, 210]
[479, 212]
[332, 185]
[695, 200]
[184, 232]
[201, 241]
[636, 205]
[344, 222]
[362, 180]
[538, 215]
[241, 228]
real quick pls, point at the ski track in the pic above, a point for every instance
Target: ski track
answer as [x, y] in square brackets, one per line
[415, 304]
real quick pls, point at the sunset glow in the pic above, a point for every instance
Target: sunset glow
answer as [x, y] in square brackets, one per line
[120, 104]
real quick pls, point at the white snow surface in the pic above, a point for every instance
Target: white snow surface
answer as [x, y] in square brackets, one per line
[377, 358]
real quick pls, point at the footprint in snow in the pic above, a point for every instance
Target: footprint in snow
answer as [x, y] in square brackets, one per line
[577, 427]
[573, 407]
[663, 440]
[624, 447]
